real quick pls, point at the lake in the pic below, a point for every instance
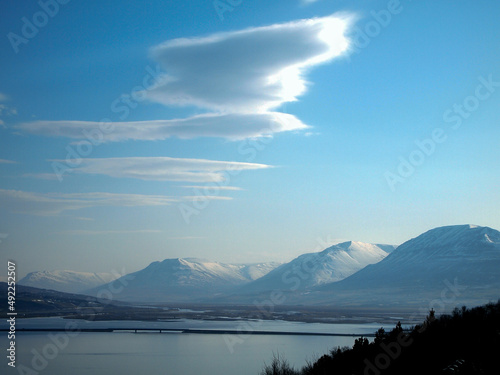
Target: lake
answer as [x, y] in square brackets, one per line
[79, 353]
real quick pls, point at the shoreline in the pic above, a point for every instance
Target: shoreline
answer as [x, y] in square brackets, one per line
[188, 330]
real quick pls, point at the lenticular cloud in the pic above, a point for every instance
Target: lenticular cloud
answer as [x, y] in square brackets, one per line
[253, 70]
[238, 79]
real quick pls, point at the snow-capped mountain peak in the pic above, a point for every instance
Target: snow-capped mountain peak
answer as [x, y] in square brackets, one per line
[186, 279]
[466, 254]
[312, 269]
[451, 241]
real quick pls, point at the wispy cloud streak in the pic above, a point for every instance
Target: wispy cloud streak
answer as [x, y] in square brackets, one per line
[164, 168]
[51, 204]
[235, 126]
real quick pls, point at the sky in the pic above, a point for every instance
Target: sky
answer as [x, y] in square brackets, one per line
[241, 131]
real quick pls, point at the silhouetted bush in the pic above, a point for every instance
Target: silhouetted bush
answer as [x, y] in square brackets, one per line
[467, 342]
[279, 366]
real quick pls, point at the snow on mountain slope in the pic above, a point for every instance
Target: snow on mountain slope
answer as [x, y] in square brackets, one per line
[450, 247]
[424, 266]
[349, 273]
[332, 264]
[255, 271]
[66, 281]
[196, 272]
[184, 280]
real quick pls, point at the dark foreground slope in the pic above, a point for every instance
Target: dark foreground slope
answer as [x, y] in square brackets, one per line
[465, 343]
[33, 302]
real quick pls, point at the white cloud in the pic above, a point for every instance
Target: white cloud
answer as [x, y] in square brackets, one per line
[7, 110]
[239, 77]
[54, 204]
[210, 187]
[51, 204]
[82, 232]
[253, 70]
[187, 238]
[3, 161]
[83, 218]
[197, 198]
[165, 168]
[233, 126]
[41, 176]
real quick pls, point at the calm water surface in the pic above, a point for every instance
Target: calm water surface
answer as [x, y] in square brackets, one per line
[171, 353]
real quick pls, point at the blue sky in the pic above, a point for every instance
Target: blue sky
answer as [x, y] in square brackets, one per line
[257, 131]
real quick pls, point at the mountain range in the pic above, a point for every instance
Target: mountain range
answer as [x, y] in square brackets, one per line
[444, 265]
[184, 280]
[330, 265]
[447, 265]
[66, 281]
[170, 278]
